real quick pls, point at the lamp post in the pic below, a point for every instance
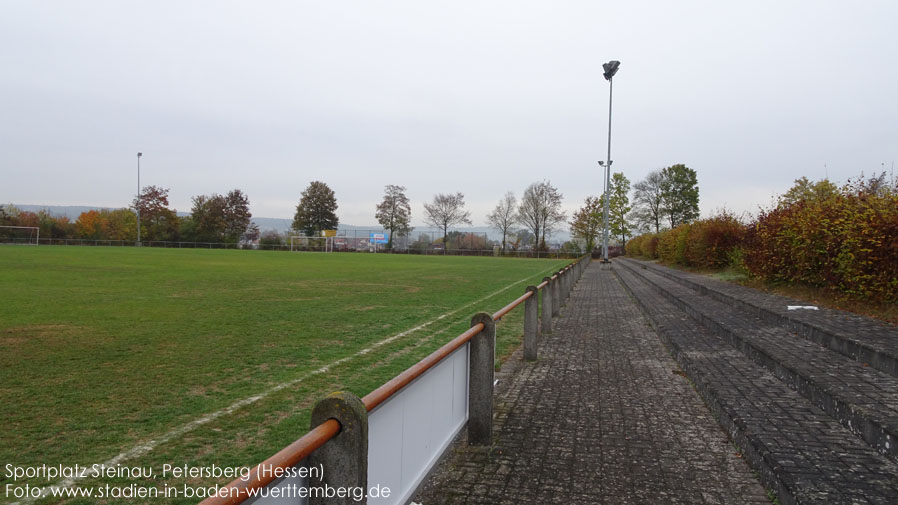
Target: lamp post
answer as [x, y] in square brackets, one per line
[610, 69]
[138, 198]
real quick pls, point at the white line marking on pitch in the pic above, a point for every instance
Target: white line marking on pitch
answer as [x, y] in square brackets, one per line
[149, 445]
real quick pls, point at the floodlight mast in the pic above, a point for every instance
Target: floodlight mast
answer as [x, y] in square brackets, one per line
[138, 197]
[610, 69]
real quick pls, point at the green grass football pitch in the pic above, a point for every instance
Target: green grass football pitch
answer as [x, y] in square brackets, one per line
[110, 350]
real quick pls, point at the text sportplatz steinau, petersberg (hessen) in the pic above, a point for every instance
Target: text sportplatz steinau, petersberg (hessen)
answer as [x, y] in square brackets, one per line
[62, 481]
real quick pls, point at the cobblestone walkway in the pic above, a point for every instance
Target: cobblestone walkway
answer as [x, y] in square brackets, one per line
[604, 416]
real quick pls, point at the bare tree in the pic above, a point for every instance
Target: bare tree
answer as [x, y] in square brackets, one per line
[540, 211]
[648, 201]
[504, 216]
[446, 211]
[394, 213]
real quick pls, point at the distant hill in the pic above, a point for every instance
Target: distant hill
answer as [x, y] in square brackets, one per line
[281, 224]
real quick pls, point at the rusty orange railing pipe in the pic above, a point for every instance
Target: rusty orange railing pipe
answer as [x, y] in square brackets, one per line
[381, 394]
[508, 308]
[238, 490]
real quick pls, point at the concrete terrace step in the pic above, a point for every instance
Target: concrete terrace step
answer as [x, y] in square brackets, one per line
[862, 339]
[864, 400]
[801, 452]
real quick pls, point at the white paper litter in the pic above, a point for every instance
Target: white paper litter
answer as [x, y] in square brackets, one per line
[801, 307]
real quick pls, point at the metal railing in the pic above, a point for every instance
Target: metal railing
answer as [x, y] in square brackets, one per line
[478, 416]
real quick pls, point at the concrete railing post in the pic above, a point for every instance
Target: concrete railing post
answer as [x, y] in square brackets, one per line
[480, 381]
[546, 305]
[566, 284]
[345, 457]
[556, 295]
[570, 281]
[531, 316]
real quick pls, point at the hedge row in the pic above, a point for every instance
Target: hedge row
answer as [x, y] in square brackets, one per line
[846, 241]
[706, 243]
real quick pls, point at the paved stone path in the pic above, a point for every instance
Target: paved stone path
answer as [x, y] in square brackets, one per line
[604, 416]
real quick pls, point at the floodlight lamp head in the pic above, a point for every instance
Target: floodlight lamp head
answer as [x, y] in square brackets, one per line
[610, 69]
[601, 163]
[139, 155]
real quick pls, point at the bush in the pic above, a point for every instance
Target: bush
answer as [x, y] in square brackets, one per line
[709, 242]
[643, 246]
[634, 246]
[672, 245]
[847, 241]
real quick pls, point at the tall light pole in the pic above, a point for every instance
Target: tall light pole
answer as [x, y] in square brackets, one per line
[610, 69]
[138, 197]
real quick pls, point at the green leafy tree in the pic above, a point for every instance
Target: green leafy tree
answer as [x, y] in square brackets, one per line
[587, 222]
[220, 218]
[237, 218]
[206, 219]
[619, 207]
[121, 224]
[394, 213]
[504, 216]
[445, 211]
[317, 210]
[679, 194]
[805, 190]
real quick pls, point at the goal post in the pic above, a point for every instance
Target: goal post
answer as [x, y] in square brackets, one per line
[325, 242]
[20, 235]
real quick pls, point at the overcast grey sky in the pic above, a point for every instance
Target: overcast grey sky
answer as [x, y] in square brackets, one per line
[480, 97]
